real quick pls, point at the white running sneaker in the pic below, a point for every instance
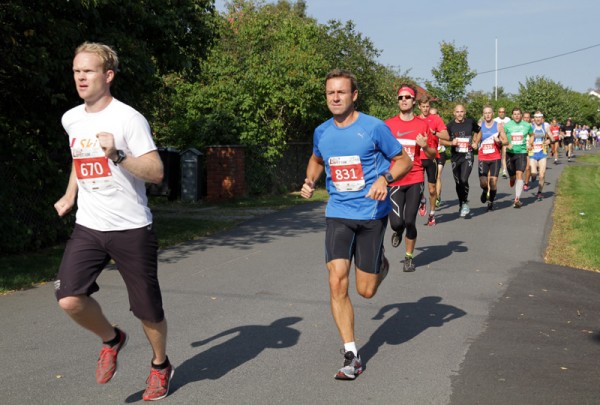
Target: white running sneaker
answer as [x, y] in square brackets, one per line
[352, 367]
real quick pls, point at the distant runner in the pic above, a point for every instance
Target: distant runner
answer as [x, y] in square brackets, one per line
[491, 138]
[538, 144]
[517, 132]
[461, 131]
[439, 131]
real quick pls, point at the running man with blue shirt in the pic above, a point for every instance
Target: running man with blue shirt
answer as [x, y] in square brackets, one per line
[538, 145]
[355, 151]
[491, 138]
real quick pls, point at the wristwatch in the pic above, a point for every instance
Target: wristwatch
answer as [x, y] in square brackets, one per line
[121, 157]
[388, 177]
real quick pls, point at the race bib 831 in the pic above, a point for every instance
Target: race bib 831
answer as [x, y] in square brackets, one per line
[347, 173]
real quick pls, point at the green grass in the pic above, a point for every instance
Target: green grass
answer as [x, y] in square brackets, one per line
[595, 158]
[576, 216]
[22, 271]
[175, 222]
[172, 231]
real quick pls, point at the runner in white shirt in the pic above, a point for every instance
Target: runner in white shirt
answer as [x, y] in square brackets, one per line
[113, 157]
[584, 135]
[503, 119]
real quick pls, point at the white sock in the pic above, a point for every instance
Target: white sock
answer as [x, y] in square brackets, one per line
[431, 212]
[350, 347]
[519, 188]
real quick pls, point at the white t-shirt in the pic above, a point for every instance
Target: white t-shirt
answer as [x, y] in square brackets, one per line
[109, 198]
[502, 120]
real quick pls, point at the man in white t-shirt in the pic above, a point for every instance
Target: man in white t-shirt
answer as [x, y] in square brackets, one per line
[113, 156]
[584, 135]
[503, 119]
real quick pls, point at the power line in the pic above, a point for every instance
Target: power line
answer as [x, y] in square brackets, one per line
[539, 60]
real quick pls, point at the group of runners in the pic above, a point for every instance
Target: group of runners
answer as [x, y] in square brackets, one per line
[375, 173]
[518, 147]
[585, 137]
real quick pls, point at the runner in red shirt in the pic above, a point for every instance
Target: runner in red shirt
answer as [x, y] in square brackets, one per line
[555, 132]
[439, 131]
[492, 138]
[413, 133]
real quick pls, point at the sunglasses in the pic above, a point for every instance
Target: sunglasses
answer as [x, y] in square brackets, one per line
[405, 97]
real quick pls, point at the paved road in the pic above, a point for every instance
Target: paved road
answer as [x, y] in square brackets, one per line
[481, 321]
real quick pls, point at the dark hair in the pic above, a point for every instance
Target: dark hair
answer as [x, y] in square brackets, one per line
[425, 98]
[410, 86]
[335, 73]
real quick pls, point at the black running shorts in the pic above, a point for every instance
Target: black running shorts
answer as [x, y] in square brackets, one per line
[135, 253]
[361, 239]
[516, 162]
[430, 167]
[491, 167]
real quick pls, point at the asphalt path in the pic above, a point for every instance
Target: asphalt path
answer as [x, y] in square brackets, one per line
[482, 321]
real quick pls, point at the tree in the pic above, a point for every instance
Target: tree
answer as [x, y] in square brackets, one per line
[501, 93]
[557, 101]
[36, 87]
[348, 49]
[259, 84]
[262, 84]
[452, 76]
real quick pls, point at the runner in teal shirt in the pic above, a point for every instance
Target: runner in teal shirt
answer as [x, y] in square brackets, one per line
[517, 132]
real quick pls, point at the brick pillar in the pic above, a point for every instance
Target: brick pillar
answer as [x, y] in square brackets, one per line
[225, 172]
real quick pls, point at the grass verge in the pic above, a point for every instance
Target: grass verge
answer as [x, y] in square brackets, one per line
[175, 222]
[576, 216]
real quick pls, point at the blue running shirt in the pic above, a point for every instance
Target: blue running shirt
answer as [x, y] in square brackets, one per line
[354, 157]
[540, 149]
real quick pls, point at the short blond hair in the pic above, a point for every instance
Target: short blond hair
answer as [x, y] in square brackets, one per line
[110, 60]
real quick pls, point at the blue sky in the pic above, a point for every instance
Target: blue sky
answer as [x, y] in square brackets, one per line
[409, 35]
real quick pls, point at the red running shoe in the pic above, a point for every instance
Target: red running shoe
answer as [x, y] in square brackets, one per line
[431, 221]
[158, 383]
[422, 207]
[107, 360]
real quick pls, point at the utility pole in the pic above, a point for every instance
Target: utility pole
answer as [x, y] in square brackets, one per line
[496, 86]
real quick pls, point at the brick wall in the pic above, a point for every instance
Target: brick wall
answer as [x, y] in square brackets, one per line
[225, 171]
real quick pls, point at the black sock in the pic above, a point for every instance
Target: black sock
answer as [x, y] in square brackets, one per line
[115, 341]
[493, 195]
[162, 366]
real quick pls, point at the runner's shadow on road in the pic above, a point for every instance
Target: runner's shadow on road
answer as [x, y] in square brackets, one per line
[409, 320]
[438, 252]
[245, 343]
